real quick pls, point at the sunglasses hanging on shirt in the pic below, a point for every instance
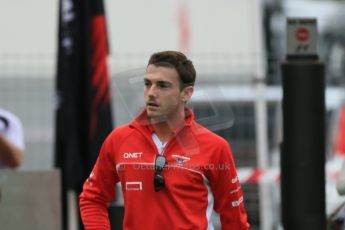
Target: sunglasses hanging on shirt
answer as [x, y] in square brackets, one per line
[159, 182]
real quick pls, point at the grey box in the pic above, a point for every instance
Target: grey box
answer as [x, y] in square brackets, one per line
[30, 200]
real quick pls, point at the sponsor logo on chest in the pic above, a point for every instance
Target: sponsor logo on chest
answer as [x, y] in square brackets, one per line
[180, 159]
[132, 155]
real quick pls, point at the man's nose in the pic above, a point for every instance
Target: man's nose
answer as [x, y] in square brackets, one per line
[152, 91]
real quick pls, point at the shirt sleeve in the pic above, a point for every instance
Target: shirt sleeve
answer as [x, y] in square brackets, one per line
[98, 191]
[14, 130]
[227, 191]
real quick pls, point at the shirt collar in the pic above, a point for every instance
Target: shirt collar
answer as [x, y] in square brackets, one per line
[143, 120]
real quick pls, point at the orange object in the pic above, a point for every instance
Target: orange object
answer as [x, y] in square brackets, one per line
[340, 138]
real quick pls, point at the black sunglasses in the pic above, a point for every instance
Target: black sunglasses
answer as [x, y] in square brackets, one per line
[159, 182]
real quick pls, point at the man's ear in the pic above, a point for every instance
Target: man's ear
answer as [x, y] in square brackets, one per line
[187, 93]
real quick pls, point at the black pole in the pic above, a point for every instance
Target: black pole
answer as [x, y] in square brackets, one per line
[303, 148]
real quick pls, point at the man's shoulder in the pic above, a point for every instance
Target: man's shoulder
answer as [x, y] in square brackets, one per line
[9, 117]
[121, 131]
[118, 135]
[204, 133]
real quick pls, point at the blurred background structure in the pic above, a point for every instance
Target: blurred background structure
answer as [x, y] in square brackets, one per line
[235, 45]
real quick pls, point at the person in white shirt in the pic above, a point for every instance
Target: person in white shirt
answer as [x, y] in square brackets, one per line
[11, 140]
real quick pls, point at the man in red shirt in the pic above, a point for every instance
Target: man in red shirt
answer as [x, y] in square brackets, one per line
[173, 171]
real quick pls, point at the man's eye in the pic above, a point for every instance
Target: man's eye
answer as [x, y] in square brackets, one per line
[163, 85]
[146, 83]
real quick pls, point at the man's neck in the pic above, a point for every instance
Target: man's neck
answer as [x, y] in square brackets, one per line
[165, 129]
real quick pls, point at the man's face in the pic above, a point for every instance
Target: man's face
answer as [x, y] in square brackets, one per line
[163, 96]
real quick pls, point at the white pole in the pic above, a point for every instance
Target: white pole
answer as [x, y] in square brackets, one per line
[261, 118]
[72, 210]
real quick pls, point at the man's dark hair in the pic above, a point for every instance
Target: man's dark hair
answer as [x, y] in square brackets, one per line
[177, 60]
